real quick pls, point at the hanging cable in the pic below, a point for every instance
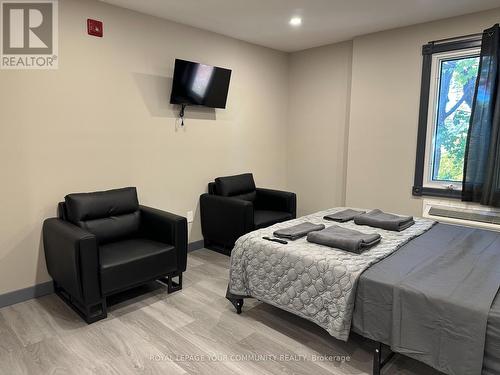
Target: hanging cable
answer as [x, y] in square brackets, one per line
[181, 114]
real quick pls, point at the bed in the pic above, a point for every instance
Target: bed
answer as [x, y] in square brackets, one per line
[374, 314]
[380, 294]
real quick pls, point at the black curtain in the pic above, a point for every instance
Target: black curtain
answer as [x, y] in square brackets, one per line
[481, 181]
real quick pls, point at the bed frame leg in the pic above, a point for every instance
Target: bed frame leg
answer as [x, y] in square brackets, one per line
[377, 357]
[378, 363]
[238, 304]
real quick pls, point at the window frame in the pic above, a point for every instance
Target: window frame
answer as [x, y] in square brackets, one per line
[433, 53]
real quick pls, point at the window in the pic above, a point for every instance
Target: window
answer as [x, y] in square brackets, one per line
[452, 89]
[448, 84]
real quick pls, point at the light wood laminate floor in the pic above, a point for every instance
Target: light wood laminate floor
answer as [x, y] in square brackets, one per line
[194, 331]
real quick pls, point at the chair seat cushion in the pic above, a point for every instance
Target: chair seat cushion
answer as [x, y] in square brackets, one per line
[264, 218]
[131, 262]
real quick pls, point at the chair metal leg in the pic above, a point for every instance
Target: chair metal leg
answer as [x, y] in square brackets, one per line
[90, 313]
[173, 286]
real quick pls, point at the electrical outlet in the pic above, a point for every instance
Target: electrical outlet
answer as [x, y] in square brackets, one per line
[190, 217]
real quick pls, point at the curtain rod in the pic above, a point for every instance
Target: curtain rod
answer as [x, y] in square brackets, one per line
[468, 36]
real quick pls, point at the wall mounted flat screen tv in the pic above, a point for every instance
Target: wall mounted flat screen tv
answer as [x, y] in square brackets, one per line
[198, 84]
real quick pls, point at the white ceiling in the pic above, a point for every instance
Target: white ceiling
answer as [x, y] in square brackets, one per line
[265, 22]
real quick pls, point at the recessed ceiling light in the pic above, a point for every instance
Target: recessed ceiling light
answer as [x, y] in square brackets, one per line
[296, 21]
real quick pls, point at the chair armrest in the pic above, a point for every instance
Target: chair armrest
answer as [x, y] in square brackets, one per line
[225, 219]
[72, 259]
[168, 228]
[276, 200]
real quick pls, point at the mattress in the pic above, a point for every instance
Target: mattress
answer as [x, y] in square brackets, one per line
[373, 311]
[309, 280]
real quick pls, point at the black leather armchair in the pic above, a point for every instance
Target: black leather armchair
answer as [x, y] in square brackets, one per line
[233, 207]
[104, 242]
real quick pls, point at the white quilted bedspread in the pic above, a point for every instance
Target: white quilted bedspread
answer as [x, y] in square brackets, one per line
[315, 282]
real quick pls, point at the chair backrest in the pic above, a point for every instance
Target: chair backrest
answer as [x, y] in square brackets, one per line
[212, 190]
[241, 186]
[109, 215]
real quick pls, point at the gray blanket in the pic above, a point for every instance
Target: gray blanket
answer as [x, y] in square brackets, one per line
[298, 231]
[433, 300]
[343, 216]
[345, 239]
[306, 279]
[380, 219]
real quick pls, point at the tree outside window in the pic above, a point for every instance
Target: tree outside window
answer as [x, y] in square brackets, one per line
[457, 82]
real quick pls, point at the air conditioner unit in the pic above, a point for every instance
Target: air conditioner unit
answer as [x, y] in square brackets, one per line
[462, 213]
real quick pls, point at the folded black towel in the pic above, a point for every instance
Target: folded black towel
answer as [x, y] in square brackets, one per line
[343, 216]
[345, 239]
[297, 231]
[380, 219]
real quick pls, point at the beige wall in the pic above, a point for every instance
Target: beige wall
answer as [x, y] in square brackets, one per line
[103, 121]
[336, 124]
[386, 72]
[318, 119]
[353, 114]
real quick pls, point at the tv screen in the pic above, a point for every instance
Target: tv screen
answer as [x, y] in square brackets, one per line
[198, 84]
